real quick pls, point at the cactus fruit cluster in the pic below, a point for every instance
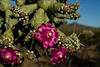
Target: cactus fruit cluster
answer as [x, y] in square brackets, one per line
[29, 28]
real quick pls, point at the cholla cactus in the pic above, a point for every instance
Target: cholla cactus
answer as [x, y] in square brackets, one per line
[73, 42]
[25, 25]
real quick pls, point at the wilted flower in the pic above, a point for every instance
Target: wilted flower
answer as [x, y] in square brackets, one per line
[47, 35]
[58, 55]
[9, 56]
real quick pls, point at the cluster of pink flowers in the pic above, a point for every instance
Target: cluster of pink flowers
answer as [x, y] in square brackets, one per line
[9, 56]
[58, 55]
[47, 35]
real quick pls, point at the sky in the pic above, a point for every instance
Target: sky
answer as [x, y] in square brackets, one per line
[89, 11]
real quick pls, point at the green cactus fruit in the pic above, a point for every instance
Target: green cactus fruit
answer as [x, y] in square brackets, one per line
[38, 18]
[46, 19]
[62, 36]
[12, 22]
[28, 9]
[59, 15]
[46, 4]
[8, 13]
[4, 5]
[7, 37]
[20, 2]
[58, 20]
[58, 6]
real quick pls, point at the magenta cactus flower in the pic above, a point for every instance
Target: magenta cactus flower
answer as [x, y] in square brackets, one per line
[58, 55]
[47, 35]
[9, 56]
